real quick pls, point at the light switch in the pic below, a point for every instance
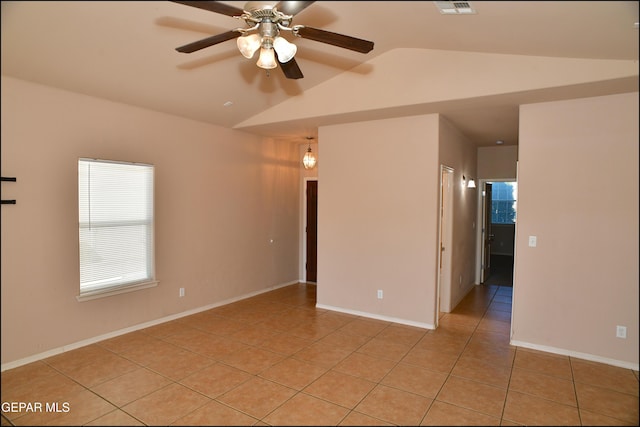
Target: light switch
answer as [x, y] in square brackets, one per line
[533, 241]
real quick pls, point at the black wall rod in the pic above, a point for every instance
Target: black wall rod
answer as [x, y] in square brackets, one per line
[11, 179]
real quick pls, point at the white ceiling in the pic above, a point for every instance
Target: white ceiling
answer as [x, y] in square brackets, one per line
[125, 51]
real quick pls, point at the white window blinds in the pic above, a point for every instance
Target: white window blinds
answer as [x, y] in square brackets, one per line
[115, 224]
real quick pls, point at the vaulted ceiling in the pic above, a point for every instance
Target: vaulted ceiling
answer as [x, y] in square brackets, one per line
[125, 51]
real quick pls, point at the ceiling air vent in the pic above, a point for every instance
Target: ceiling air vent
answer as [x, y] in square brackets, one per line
[455, 7]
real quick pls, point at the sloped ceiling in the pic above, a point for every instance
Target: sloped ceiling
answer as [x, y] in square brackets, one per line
[475, 69]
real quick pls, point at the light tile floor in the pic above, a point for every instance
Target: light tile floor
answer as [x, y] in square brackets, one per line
[275, 359]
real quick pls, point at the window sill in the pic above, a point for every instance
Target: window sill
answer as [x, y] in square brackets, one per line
[107, 292]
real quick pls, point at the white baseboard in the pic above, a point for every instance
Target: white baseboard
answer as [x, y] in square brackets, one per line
[377, 316]
[577, 355]
[93, 340]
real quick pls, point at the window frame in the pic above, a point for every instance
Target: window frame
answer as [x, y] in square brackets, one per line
[149, 251]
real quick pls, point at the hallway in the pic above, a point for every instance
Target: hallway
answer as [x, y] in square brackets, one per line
[501, 271]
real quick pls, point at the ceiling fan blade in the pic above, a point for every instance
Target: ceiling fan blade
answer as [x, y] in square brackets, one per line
[293, 7]
[291, 69]
[340, 40]
[213, 6]
[209, 41]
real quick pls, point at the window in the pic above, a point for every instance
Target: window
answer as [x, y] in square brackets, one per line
[116, 227]
[503, 202]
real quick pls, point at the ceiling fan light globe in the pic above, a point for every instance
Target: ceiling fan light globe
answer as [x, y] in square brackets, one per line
[285, 50]
[267, 59]
[248, 45]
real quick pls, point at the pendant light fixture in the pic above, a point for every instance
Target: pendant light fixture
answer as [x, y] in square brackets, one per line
[309, 160]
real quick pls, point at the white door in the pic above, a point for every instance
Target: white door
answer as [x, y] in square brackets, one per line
[444, 257]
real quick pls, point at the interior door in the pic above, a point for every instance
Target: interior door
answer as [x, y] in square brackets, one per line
[445, 238]
[487, 234]
[312, 231]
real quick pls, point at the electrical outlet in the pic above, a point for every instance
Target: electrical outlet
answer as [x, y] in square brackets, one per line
[181, 292]
[621, 331]
[379, 293]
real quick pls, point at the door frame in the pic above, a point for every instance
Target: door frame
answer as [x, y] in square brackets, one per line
[303, 224]
[445, 237]
[480, 220]
[486, 225]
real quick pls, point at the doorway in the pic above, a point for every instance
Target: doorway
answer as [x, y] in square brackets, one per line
[443, 298]
[499, 212]
[311, 230]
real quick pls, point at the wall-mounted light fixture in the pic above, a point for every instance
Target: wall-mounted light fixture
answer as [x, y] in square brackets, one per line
[468, 184]
[309, 160]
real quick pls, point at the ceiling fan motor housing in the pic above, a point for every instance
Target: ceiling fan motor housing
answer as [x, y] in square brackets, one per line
[261, 11]
[268, 30]
[251, 6]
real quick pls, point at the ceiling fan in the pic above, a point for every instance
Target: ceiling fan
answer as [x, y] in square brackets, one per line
[265, 20]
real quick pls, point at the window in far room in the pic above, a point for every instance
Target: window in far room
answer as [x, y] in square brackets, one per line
[503, 202]
[116, 227]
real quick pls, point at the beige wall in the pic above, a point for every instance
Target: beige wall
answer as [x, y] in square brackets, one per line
[578, 193]
[378, 216]
[221, 197]
[497, 162]
[377, 212]
[458, 153]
